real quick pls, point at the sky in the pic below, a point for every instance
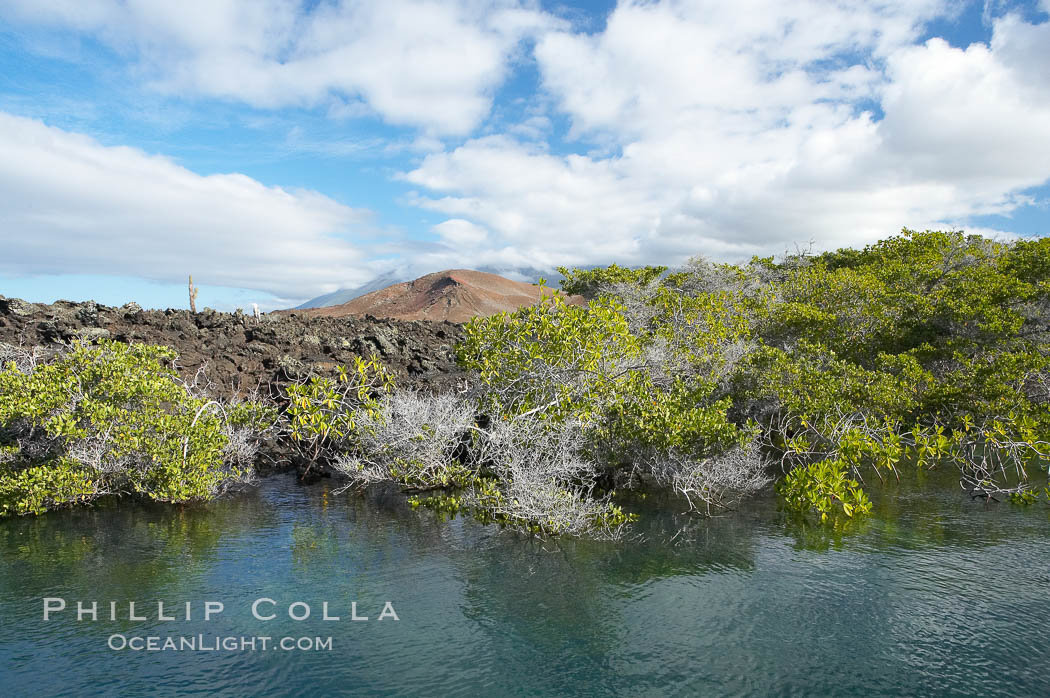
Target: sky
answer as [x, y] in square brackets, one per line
[280, 150]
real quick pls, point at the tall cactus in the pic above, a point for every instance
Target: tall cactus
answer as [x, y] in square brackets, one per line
[193, 296]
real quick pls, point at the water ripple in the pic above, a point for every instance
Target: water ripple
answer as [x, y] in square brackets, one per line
[936, 596]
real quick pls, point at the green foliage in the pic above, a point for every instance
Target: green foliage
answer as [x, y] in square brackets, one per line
[826, 488]
[812, 382]
[583, 363]
[922, 349]
[114, 419]
[322, 411]
[681, 417]
[588, 282]
[1024, 497]
[34, 490]
[933, 294]
[556, 359]
[932, 345]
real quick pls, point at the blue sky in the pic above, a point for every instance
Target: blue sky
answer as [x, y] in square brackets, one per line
[281, 150]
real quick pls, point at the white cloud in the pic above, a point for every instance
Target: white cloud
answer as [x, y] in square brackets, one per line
[414, 62]
[69, 205]
[1024, 48]
[676, 64]
[727, 129]
[460, 233]
[544, 208]
[745, 128]
[969, 117]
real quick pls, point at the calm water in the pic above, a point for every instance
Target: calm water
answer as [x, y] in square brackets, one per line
[933, 595]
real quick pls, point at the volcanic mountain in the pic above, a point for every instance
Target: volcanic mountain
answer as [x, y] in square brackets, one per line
[345, 295]
[456, 295]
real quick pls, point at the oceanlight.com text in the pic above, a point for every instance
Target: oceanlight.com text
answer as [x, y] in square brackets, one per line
[216, 643]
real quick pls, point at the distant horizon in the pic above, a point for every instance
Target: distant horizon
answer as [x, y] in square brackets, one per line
[547, 275]
[249, 308]
[282, 151]
[551, 277]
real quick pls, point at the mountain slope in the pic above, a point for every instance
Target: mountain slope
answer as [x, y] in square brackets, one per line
[345, 295]
[456, 295]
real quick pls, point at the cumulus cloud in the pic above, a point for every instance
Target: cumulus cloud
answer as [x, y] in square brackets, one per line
[69, 205]
[544, 208]
[744, 128]
[698, 126]
[669, 65]
[413, 62]
[459, 232]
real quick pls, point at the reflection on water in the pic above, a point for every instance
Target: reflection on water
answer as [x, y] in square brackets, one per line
[933, 594]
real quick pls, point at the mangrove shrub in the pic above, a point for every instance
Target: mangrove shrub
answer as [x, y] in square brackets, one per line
[114, 418]
[922, 350]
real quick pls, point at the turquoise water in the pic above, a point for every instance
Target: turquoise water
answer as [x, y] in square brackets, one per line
[931, 595]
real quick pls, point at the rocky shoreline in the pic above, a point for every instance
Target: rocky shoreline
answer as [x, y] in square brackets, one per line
[240, 354]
